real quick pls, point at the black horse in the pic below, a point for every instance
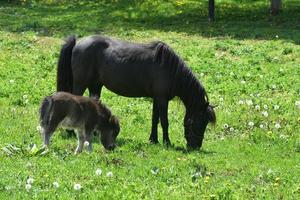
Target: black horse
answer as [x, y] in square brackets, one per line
[137, 70]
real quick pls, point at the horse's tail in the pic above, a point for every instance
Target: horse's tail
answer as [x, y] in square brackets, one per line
[45, 110]
[64, 79]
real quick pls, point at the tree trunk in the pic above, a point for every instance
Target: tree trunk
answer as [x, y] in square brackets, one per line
[211, 10]
[275, 7]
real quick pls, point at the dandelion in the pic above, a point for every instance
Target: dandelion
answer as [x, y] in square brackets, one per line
[273, 86]
[265, 113]
[231, 129]
[77, 186]
[98, 172]
[251, 124]
[257, 107]
[261, 76]
[154, 171]
[261, 126]
[276, 107]
[243, 82]
[25, 96]
[225, 126]
[28, 187]
[11, 81]
[241, 102]
[201, 74]
[55, 184]
[281, 70]
[221, 99]
[86, 143]
[109, 174]
[297, 104]
[30, 181]
[266, 107]
[39, 128]
[276, 36]
[277, 126]
[249, 102]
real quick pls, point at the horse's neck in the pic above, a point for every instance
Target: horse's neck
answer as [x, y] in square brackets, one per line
[190, 92]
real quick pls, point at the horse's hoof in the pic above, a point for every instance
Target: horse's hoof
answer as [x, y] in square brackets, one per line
[153, 141]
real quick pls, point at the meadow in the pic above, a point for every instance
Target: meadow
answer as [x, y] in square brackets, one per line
[248, 61]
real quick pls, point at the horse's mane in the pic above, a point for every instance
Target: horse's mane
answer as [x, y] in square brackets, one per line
[184, 80]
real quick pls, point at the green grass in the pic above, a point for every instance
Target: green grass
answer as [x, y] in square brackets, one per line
[245, 56]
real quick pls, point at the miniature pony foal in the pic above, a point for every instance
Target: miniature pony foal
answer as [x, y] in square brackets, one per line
[83, 114]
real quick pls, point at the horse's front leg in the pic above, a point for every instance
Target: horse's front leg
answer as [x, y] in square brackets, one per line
[155, 117]
[163, 115]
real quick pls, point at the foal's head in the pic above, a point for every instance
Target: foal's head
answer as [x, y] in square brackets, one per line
[195, 125]
[109, 128]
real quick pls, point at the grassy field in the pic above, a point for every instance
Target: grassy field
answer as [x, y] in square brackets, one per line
[248, 62]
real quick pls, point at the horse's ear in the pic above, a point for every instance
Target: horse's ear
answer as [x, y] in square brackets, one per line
[113, 119]
[211, 114]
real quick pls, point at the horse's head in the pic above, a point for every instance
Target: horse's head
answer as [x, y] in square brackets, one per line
[195, 125]
[109, 132]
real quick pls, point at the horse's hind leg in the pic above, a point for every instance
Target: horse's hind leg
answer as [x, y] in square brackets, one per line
[95, 91]
[81, 137]
[155, 118]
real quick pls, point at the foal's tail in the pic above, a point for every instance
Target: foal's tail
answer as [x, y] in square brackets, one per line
[45, 110]
[64, 79]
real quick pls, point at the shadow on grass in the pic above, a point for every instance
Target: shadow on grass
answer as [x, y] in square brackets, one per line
[243, 20]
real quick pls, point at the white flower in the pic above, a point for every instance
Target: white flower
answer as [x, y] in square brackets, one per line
[261, 126]
[231, 129]
[109, 174]
[276, 107]
[221, 99]
[297, 104]
[251, 124]
[257, 107]
[243, 82]
[225, 126]
[258, 95]
[30, 181]
[231, 74]
[276, 36]
[280, 70]
[86, 143]
[55, 184]
[154, 171]
[248, 74]
[265, 113]
[241, 102]
[11, 81]
[277, 126]
[25, 96]
[38, 128]
[201, 74]
[77, 186]
[266, 107]
[98, 172]
[261, 76]
[273, 86]
[249, 102]
[28, 187]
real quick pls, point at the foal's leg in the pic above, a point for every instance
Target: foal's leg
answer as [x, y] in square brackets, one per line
[155, 117]
[88, 138]
[81, 137]
[163, 115]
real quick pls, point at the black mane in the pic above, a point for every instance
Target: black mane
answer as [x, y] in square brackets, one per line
[184, 81]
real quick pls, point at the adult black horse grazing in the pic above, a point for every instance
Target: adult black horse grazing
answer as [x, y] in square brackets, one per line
[137, 70]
